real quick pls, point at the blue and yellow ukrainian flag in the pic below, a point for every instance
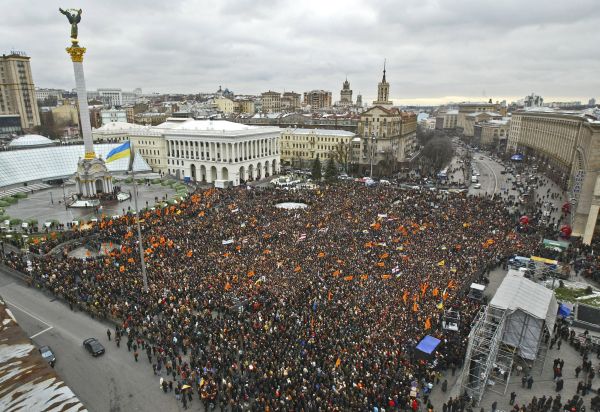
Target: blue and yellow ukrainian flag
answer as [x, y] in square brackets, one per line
[119, 152]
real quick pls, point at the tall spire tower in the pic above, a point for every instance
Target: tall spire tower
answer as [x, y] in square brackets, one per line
[383, 92]
[92, 176]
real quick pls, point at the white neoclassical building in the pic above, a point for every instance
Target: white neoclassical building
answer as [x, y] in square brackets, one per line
[217, 150]
[202, 150]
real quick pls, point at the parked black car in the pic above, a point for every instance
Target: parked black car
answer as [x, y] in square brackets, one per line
[93, 346]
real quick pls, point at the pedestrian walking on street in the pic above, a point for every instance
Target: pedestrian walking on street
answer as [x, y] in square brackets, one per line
[513, 396]
[108, 333]
[529, 382]
[135, 355]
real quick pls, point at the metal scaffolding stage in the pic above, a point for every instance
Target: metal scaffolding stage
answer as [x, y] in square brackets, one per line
[514, 327]
[485, 342]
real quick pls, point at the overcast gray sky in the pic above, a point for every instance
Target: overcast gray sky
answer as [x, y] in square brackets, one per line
[437, 50]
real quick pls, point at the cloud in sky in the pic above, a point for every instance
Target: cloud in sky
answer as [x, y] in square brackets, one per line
[436, 50]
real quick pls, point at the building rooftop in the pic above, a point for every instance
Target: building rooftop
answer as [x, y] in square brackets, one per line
[202, 125]
[27, 382]
[113, 127]
[30, 140]
[480, 113]
[55, 162]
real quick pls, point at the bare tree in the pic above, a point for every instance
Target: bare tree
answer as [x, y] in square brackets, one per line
[342, 154]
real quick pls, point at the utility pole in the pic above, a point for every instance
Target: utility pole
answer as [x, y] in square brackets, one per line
[137, 221]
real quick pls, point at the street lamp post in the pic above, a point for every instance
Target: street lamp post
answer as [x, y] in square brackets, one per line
[372, 142]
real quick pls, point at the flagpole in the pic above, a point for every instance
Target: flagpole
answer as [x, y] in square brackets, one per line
[137, 220]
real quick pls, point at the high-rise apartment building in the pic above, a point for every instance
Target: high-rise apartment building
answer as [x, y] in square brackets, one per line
[318, 99]
[17, 92]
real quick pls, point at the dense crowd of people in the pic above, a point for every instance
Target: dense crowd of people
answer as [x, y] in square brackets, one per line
[305, 309]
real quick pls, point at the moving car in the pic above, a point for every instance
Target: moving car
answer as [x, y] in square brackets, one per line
[477, 186]
[93, 346]
[48, 355]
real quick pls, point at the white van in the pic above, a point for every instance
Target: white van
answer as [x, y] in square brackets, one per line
[474, 179]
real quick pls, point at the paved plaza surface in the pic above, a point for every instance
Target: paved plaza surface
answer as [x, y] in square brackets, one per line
[48, 204]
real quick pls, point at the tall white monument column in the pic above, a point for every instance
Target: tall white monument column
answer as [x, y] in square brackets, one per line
[92, 176]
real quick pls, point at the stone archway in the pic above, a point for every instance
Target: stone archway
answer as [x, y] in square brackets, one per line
[259, 171]
[99, 186]
[274, 167]
[224, 174]
[203, 173]
[242, 173]
[193, 172]
[251, 172]
[267, 168]
[177, 174]
[213, 174]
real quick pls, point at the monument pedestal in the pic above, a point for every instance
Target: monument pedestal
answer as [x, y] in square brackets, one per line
[92, 177]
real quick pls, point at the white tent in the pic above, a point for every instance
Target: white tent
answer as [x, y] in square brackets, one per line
[531, 309]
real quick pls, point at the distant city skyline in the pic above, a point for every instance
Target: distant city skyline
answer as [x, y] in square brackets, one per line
[436, 52]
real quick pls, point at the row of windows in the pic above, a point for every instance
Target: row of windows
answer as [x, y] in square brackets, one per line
[311, 137]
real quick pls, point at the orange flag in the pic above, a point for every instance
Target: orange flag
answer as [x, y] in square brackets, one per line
[329, 295]
[384, 256]
[435, 292]
[227, 286]
[405, 297]
[266, 252]
[297, 268]
[337, 273]
[386, 276]
[122, 269]
[130, 260]
[250, 273]
[445, 295]
[189, 253]
[321, 254]
[348, 278]
[424, 287]
[415, 307]
[338, 362]
[380, 264]
[451, 284]
[428, 324]
[364, 277]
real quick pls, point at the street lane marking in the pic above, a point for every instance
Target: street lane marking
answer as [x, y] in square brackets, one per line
[26, 312]
[39, 333]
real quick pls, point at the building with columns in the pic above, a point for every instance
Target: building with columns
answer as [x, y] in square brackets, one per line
[207, 150]
[567, 146]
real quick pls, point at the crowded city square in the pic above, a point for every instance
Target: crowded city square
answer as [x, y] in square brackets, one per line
[250, 305]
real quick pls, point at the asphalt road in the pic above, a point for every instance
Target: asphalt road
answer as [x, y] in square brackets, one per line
[112, 382]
